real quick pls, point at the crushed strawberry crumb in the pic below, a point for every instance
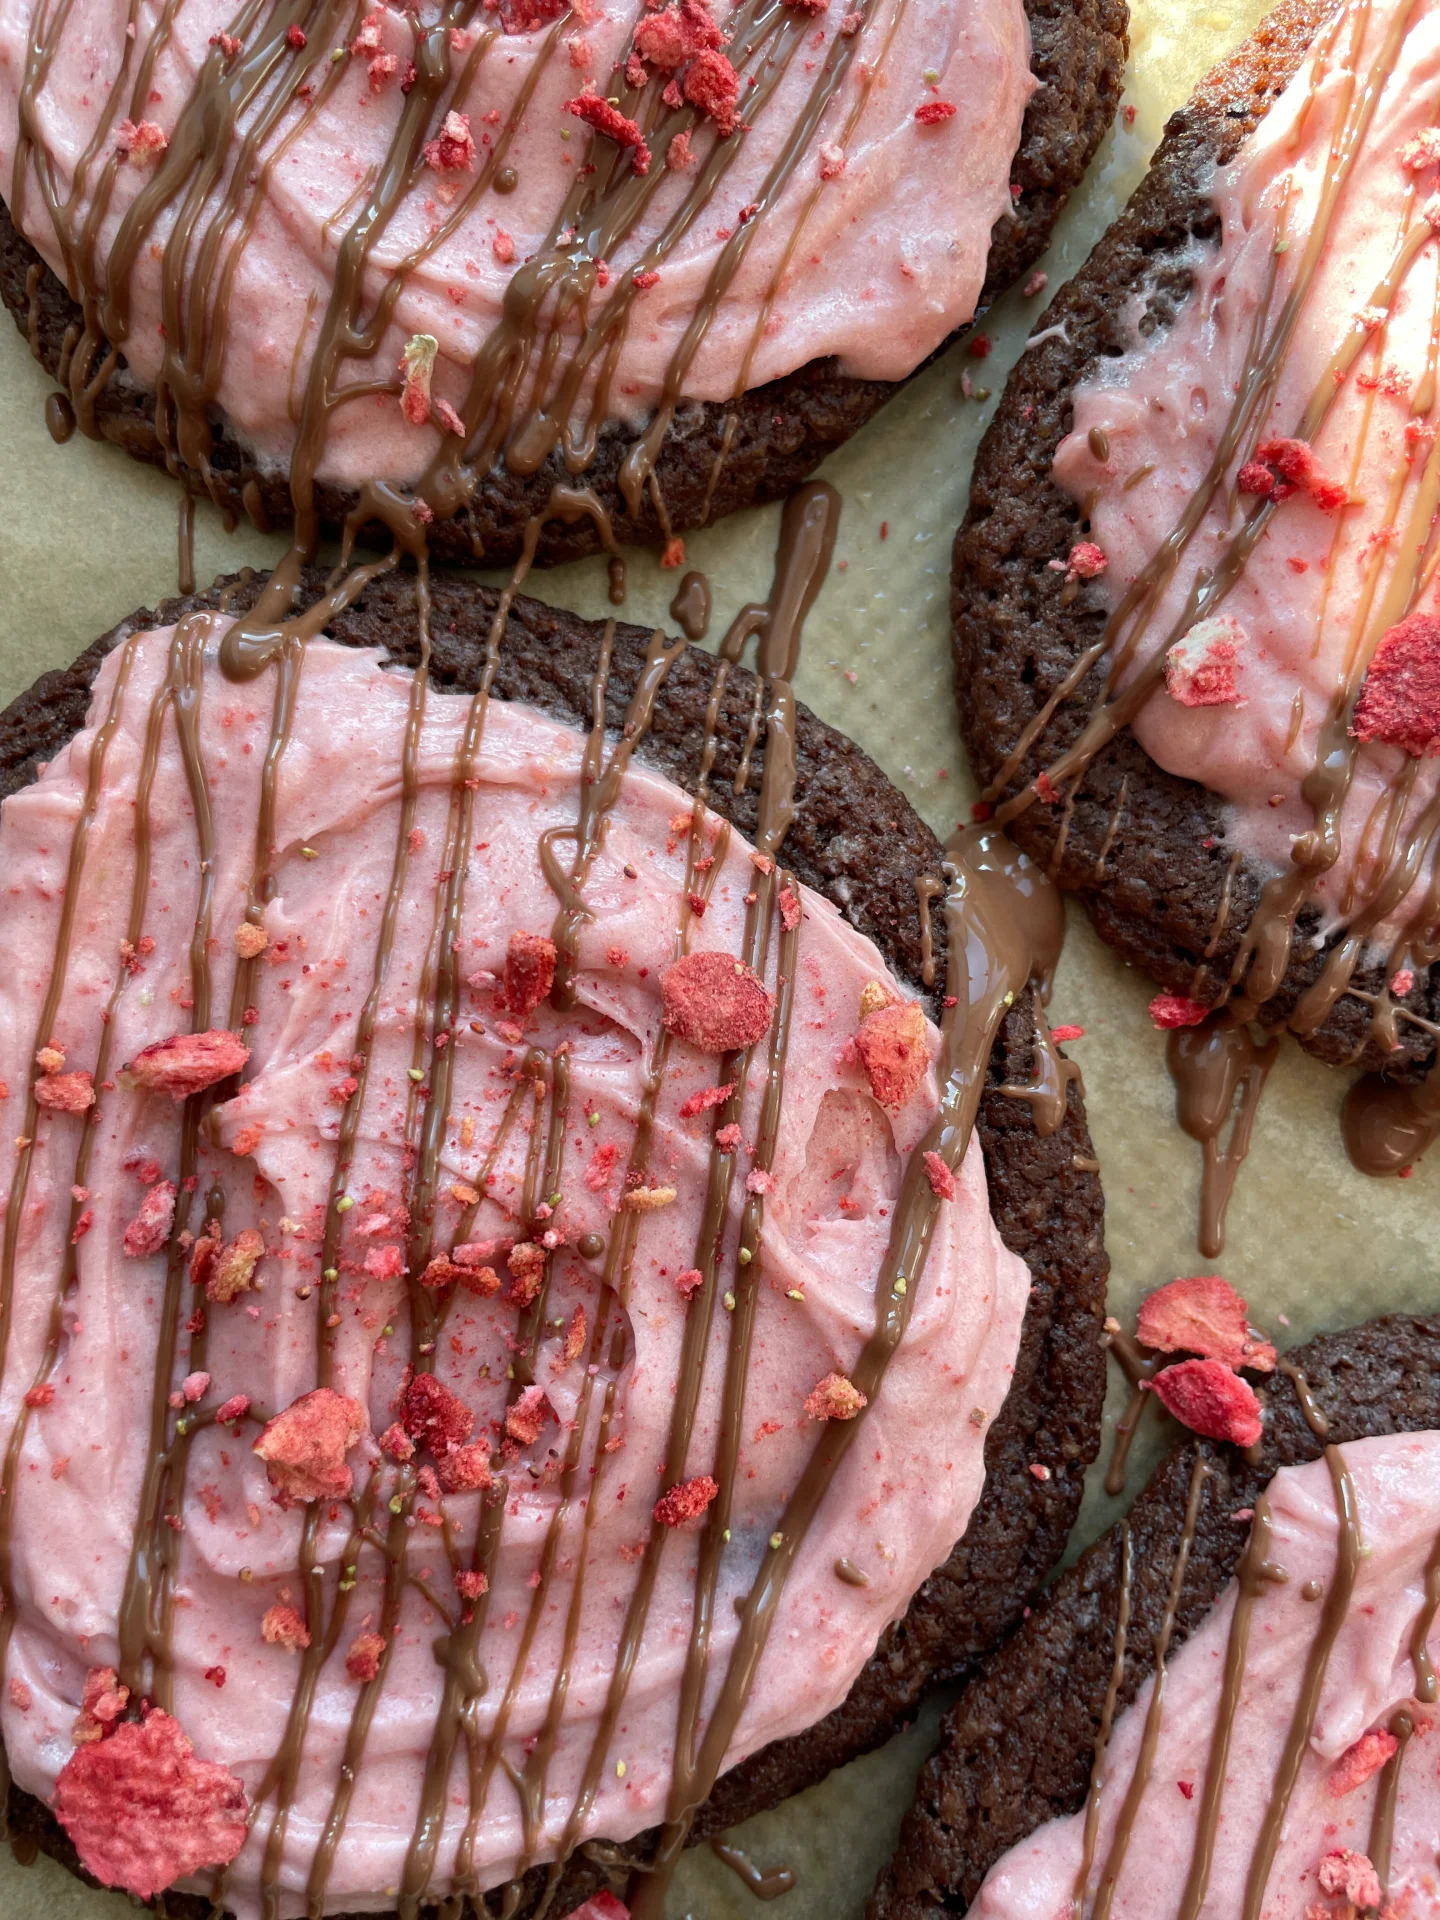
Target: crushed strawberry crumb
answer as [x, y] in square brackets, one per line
[284, 1627]
[362, 1661]
[529, 971]
[613, 124]
[149, 1231]
[715, 1002]
[1170, 1010]
[835, 1398]
[304, 1447]
[525, 1419]
[685, 1501]
[453, 149]
[942, 1180]
[1399, 702]
[65, 1092]
[141, 141]
[894, 1050]
[1360, 1762]
[433, 1416]
[1350, 1875]
[934, 113]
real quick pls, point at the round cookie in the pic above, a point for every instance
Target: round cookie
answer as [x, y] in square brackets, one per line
[1169, 878]
[1017, 1748]
[716, 454]
[856, 840]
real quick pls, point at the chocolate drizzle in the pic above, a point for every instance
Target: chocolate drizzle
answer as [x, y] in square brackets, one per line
[1210, 1065]
[764, 1883]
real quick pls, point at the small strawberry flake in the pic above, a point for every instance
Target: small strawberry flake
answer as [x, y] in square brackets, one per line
[835, 1398]
[728, 1138]
[143, 1812]
[1360, 1762]
[1171, 1010]
[362, 1661]
[304, 1447]
[529, 971]
[233, 1269]
[141, 141]
[1350, 1875]
[934, 113]
[453, 149]
[687, 1284]
[789, 909]
[433, 1416]
[1402, 982]
[715, 1002]
[471, 1586]
[295, 36]
[194, 1387]
[101, 1704]
[233, 1409]
[600, 1906]
[50, 1059]
[602, 1166]
[417, 365]
[832, 161]
[284, 1627]
[980, 346]
[250, 940]
[1285, 466]
[758, 1181]
[676, 34]
[1187, 1788]
[65, 1092]
[527, 1271]
[396, 1444]
[648, 1199]
[701, 1103]
[685, 1501]
[188, 1063]
[1399, 702]
[712, 84]
[149, 1231]
[524, 1421]
[1037, 283]
[1039, 1470]
[1204, 1315]
[942, 1180]
[1207, 1397]
[576, 1335]
[894, 1050]
[1067, 1033]
[1201, 667]
[609, 121]
[465, 1469]
[384, 1263]
[1085, 562]
[21, 1697]
[41, 1396]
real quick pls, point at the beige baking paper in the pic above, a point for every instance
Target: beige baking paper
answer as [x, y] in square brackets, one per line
[86, 536]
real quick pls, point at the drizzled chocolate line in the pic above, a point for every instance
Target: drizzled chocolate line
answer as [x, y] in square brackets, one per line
[1211, 1065]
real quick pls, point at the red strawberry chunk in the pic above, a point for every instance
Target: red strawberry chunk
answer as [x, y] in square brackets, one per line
[894, 1051]
[143, 1812]
[529, 971]
[701, 1102]
[433, 1416]
[1399, 702]
[65, 1092]
[464, 1469]
[715, 1002]
[713, 85]
[101, 1705]
[528, 1415]
[187, 1063]
[1350, 1875]
[233, 1271]
[670, 38]
[1169, 1010]
[935, 113]
[600, 1906]
[1207, 1397]
[835, 1398]
[148, 1232]
[362, 1662]
[453, 149]
[304, 1447]
[1203, 1314]
[609, 121]
[1361, 1762]
[942, 1180]
[686, 1500]
[284, 1627]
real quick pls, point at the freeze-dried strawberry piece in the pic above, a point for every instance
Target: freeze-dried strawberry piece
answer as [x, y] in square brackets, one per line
[835, 1398]
[396, 1444]
[934, 113]
[648, 1199]
[527, 1271]
[417, 369]
[715, 1002]
[1207, 1397]
[703, 1101]
[141, 141]
[1168, 1010]
[1422, 151]
[385, 1263]
[894, 1052]
[608, 120]
[101, 1705]
[250, 940]
[523, 16]
[602, 1166]
[942, 1180]
[689, 1282]
[187, 1063]
[284, 1627]
[1360, 1763]
[1399, 702]
[670, 38]
[148, 1232]
[528, 1415]
[233, 1271]
[1351, 1875]
[50, 1059]
[600, 1906]
[529, 971]
[362, 1662]
[143, 1812]
[464, 1469]
[1295, 462]
[1203, 1314]
[448, 1270]
[1253, 478]
[686, 1500]
[304, 1447]
[471, 1585]
[453, 150]
[433, 1416]
[713, 85]
[1201, 667]
[65, 1092]
[235, 1408]
[789, 909]
[1086, 561]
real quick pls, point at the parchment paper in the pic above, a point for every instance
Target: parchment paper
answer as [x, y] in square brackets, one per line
[86, 535]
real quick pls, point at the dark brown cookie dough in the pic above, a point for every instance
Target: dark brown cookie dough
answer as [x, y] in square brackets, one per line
[1147, 849]
[782, 431]
[1017, 1747]
[857, 840]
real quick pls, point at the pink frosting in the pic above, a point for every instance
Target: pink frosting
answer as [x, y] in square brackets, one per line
[1369, 1675]
[899, 1501]
[890, 259]
[1305, 592]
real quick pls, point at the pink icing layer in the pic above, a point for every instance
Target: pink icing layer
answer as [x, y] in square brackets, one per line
[899, 1501]
[888, 261]
[1370, 1674]
[1311, 590]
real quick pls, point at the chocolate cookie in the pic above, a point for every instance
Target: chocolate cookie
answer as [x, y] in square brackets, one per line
[1017, 1748]
[1153, 853]
[714, 456]
[855, 839]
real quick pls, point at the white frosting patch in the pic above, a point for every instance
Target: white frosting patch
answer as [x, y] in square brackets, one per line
[876, 263]
[1370, 1674]
[1313, 594]
[899, 1501]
